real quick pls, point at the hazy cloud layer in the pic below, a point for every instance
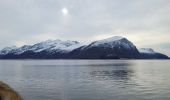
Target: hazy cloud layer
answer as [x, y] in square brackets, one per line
[145, 22]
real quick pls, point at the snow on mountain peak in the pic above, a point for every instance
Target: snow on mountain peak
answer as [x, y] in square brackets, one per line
[64, 46]
[113, 41]
[108, 40]
[146, 50]
[6, 50]
[48, 45]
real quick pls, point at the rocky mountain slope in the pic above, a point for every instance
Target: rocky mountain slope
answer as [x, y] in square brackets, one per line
[111, 48]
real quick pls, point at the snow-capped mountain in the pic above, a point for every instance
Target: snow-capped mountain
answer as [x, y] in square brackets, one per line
[20, 50]
[114, 47]
[111, 48]
[6, 50]
[148, 53]
[146, 50]
[113, 42]
[59, 45]
[49, 45]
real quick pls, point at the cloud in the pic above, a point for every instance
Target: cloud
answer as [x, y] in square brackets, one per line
[145, 22]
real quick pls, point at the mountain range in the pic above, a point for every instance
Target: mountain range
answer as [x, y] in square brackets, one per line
[116, 47]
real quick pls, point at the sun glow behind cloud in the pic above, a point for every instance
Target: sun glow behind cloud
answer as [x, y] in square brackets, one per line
[144, 22]
[65, 11]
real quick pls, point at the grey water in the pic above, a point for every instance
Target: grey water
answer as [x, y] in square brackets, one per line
[88, 79]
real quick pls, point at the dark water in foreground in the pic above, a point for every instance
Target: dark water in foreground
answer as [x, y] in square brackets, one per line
[88, 79]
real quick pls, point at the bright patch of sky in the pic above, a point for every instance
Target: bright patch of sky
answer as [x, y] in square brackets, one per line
[144, 22]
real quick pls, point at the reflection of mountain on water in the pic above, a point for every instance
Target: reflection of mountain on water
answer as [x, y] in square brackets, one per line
[118, 64]
[113, 75]
[117, 71]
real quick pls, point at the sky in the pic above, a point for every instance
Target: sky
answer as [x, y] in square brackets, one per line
[144, 22]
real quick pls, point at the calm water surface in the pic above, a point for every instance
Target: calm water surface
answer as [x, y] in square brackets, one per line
[88, 79]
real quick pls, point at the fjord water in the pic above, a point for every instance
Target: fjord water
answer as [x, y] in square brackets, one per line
[88, 79]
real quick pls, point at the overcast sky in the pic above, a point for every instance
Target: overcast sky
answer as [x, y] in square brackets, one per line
[144, 22]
